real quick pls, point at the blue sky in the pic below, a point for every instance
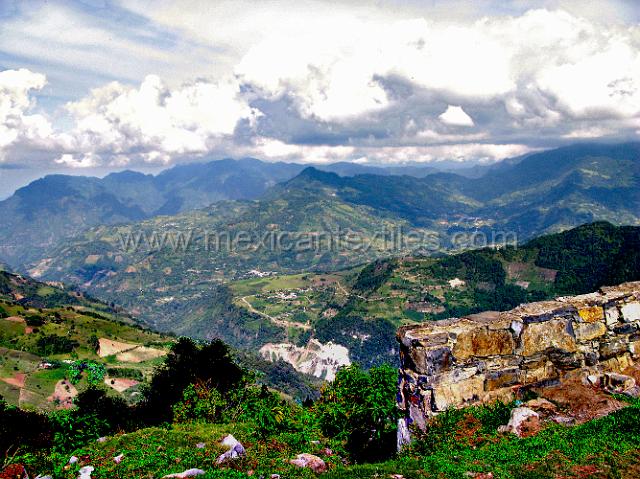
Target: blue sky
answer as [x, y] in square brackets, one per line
[92, 86]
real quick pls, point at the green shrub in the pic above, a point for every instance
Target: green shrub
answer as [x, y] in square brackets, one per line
[126, 373]
[95, 372]
[359, 407]
[53, 344]
[73, 430]
[200, 402]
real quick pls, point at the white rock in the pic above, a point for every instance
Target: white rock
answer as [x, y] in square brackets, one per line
[118, 458]
[186, 474]
[236, 449]
[612, 316]
[519, 416]
[404, 436]
[630, 312]
[85, 472]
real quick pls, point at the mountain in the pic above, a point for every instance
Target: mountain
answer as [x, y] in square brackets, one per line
[176, 264]
[360, 309]
[58, 206]
[540, 193]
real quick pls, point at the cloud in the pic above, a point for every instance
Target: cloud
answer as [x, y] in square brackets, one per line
[86, 161]
[456, 116]
[311, 81]
[16, 124]
[154, 122]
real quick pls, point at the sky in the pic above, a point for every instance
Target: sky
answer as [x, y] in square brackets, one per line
[93, 86]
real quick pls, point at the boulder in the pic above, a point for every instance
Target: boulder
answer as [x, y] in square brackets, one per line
[85, 472]
[310, 461]
[523, 419]
[235, 449]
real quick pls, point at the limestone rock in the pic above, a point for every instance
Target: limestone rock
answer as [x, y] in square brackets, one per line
[555, 333]
[522, 418]
[618, 383]
[186, 474]
[591, 314]
[482, 343]
[235, 449]
[630, 312]
[310, 461]
[589, 330]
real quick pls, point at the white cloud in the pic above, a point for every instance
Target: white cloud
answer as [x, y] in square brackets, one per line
[16, 124]
[86, 161]
[311, 81]
[157, 121]
[271, 149]
[456, 116]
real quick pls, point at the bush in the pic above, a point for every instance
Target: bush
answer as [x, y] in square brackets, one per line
[54, 344]
[73, 429]
[189, 363]
[200, 402]
[95, 372]
[126, 373]
[34, 320]
[359, 407]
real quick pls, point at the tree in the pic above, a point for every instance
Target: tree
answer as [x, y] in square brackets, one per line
[189, 363]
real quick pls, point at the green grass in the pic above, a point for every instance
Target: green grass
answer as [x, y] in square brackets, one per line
[608, 447]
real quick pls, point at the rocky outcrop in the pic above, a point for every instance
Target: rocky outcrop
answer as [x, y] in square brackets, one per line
[493, 356]
[317, 359]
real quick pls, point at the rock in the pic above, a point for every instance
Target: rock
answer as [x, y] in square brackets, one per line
[612, 316]
[618, 383]
[85, 472]
[186, 474]
[555, 333]
[521, 419]
[593, 379]
[591, 314]
[541, 404]
[403, 435]
[72, 460]
[563, 420]
[118, 458]
[101, 439]
[630, 312]
[482, 343]
[310, 461]
[44, 477]
[235, 449]
[14, 471]
[275, 476]
[589, 331]
[200, 445]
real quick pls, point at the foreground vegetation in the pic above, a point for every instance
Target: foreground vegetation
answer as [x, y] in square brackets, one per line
[200, 395]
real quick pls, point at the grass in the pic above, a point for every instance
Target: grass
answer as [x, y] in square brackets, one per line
[467, 443]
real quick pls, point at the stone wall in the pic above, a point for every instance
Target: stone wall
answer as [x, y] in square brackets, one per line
[490, 356]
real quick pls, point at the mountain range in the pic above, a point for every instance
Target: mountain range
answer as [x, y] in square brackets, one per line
[55, 207]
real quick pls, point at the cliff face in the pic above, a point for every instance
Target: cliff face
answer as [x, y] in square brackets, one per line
[490, 356]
